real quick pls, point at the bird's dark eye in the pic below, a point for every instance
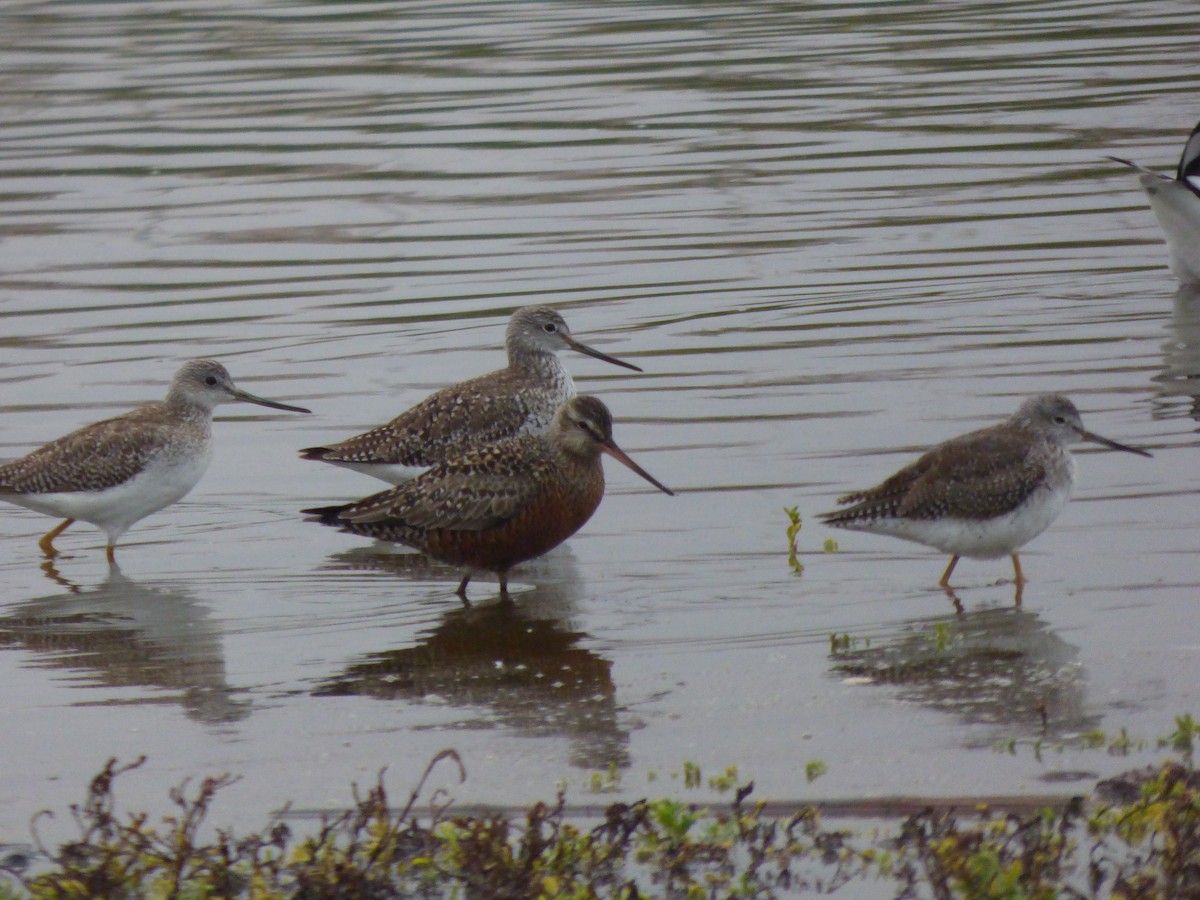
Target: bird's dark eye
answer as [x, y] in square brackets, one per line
[549, 328]
[211, 380]
[1061, 420]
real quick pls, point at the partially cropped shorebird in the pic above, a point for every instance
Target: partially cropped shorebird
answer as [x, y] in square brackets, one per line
[516, 400]
[499, 504]
[1176, 204]
[117, 471]
[984, 494]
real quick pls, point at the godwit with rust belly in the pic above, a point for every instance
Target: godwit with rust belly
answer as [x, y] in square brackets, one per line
[499, 504]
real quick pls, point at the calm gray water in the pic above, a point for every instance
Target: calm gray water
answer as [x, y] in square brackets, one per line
[832, 234]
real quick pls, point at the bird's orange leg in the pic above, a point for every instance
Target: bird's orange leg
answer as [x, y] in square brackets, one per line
[111, 552]
[1017, 569]
[47, 541]
[945, 582]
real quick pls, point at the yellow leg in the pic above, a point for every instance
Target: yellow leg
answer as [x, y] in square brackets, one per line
[945, 582]
[47, 541]
[1017, 569]
[111, 552]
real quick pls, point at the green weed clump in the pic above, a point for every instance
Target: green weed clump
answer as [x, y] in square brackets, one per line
[644, 849]
[1137, 838]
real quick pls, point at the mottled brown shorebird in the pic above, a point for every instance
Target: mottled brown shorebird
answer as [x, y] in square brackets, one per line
[499, 504]
[516, 400]
[984, 494]
[114, 472]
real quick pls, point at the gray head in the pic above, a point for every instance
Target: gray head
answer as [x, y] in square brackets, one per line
[1055, 417]
[205, 383]
[536, 330]
[583, 427]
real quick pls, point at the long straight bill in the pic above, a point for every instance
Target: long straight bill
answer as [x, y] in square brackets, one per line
[620, 456]
[1113, 445]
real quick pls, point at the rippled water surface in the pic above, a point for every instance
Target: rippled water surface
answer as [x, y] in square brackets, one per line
[831, 234]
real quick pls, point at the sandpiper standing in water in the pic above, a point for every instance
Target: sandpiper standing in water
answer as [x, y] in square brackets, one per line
[115, 472]
[984, 494]
[516, 400]
[498, 504]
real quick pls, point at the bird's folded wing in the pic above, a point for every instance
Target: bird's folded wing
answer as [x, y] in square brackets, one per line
[94, 458]
[443, 424]
[989, 476]
[470, 494]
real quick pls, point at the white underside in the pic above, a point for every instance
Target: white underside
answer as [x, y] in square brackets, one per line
[114, 510]
[392, 473]
[1178, 213]
[977, 538]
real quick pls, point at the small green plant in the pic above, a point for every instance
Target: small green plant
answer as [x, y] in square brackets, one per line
[691, 774]
[1119, 744]
[845, 642]
[814, 769]
[606, 782]
[1183, 739]
[830, 545]
[725, 781]
[943, 636]
[675, 817]
[794, 526]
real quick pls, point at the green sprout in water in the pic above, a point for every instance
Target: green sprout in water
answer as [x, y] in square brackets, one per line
[814, 769]
[794, 526]
[607, 782]
[1183, 739]
[724, 782]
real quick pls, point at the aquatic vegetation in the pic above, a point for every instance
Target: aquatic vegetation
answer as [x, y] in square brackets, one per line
[793, 529]
[1144, 844]
[606, 782]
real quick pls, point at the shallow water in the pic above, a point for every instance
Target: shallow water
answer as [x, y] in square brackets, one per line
[832, 235]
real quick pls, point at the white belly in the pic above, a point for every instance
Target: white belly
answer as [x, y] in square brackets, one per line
[978, 538]
[1178, 213]
[162, 483]
[392, 473]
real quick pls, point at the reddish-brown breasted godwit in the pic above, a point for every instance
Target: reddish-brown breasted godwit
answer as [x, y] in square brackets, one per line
[498, 504]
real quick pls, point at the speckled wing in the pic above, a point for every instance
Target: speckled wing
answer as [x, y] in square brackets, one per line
[442, 426]
[976, 476]
[479, 490]
[96, 457]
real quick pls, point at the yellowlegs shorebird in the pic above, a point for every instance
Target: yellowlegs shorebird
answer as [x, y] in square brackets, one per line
[984, 494]
[1176, 205]
[516, 400]
[498, 504]
[115, 472]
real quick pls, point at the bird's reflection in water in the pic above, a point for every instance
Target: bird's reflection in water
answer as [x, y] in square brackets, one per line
[993, 666]
[1180, 375]
[124, 634]
[519, 664]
